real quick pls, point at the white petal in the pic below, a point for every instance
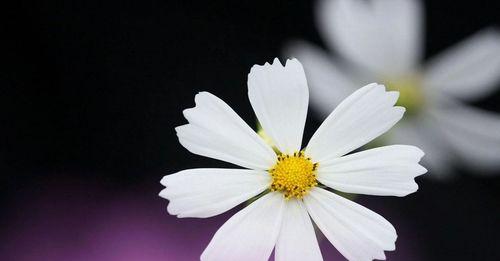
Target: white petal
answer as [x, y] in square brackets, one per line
[216, 131]
[279, 97]
[384, 171]
[424, 133]
[363, 116]
[474, 134]
[383, 36]
[249, 235]
[204, 193]
[328, 85]
[357, 232]
[469, 70]
[297, 240]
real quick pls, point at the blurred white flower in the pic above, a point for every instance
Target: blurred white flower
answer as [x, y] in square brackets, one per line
[293, 183]
[382, 41]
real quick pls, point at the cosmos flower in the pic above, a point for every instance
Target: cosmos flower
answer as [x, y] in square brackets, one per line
[293, 185]
[382, 41]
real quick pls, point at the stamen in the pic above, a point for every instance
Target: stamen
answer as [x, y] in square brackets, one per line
[293, 175]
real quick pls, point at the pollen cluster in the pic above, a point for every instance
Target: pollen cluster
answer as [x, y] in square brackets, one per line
[293, 175]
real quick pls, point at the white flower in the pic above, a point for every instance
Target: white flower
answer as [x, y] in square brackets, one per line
[382, 41]
[292, 184]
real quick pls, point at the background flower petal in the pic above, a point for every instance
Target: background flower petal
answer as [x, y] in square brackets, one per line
[469, 70]
[474, 134]
[328, 85]
[383, 36]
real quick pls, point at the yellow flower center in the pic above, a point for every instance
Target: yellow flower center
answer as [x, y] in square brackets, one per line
[293, 175]
[410, 93]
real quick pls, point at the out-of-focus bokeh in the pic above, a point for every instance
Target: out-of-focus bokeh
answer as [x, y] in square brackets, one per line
[372, 46]
[90, 93]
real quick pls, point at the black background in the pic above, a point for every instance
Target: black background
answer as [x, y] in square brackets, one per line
[90, 92]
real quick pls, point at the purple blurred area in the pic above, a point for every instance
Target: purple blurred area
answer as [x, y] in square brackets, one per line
[89, 222]
[79, 221]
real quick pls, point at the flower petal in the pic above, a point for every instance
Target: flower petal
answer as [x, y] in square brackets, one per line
[297, 240]
[250, 234]
[363, 116]
[357, 232]
[469, 70]
[205, 193]
[384, 171]
[424, 133]
[279, 97]
[474, 134]
[383, 36]
[216, 131]
[328, 85]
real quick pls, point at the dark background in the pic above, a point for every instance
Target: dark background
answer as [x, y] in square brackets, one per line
[90, 93]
